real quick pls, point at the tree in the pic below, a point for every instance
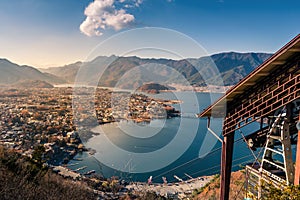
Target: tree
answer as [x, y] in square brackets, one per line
[288, 193]
[38, 154]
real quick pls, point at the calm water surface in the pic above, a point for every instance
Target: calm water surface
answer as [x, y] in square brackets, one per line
[176, 146]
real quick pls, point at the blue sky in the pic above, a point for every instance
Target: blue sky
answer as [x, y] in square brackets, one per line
[45, 33]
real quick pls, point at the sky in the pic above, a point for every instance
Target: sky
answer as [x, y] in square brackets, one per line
[47, 33]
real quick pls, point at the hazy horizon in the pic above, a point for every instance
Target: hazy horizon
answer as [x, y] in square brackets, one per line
[142, 57]
[55, 33]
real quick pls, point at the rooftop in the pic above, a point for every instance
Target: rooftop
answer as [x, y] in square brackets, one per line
[278, 59]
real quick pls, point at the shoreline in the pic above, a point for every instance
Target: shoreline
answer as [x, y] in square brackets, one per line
[178, 88]
[181, 189]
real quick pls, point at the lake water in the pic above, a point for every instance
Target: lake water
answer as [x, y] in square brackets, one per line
[162, 148]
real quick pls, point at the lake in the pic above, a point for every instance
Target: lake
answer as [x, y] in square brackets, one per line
[179, 146]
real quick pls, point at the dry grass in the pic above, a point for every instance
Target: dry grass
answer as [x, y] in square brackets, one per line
[212, 191]
[22, 179]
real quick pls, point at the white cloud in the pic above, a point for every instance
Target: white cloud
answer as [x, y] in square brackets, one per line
[102, 14]
[118, 19]
[90, 27]
[131, 3]
[138, 3]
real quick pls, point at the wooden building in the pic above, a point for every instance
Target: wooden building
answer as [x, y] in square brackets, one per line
[269, 95]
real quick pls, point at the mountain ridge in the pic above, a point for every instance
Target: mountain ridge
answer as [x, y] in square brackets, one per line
[232, 66]
[128, 72]
[12, 73]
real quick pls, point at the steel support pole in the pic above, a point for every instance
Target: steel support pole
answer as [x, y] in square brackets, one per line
[297, 165]
[226, 164]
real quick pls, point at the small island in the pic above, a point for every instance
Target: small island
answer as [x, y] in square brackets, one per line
[154, 88]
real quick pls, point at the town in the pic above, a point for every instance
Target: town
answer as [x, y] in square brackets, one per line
[30, 117]
[39, 123]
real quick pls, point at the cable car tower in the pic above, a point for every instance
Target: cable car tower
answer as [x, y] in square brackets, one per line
[270, 95]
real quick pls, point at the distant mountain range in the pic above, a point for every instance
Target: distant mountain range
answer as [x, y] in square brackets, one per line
[11, 73]
[128, 72]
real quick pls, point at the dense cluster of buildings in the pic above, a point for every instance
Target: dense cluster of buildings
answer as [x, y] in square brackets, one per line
[43, 119]
[31, 117]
